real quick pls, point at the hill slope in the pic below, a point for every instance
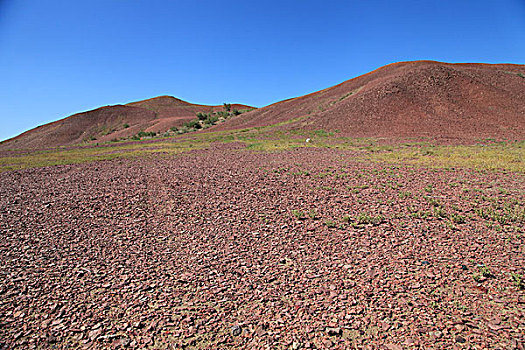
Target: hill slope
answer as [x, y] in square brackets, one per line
[410, 99]
[402, 100]
[157, 114]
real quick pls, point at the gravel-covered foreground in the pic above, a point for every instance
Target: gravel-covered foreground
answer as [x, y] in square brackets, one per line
[225, 248]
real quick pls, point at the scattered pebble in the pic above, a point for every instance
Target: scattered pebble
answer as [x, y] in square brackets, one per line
[171, 251]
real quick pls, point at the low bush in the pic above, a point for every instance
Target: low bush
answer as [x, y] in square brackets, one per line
[330, 224]
[212, 119]
[365, 218]
[517, 279]
[147, 134]
[193, 124]
[202, 116]
[298, 214]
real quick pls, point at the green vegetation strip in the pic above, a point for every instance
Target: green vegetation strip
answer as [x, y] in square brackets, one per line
[490, 156]
[90, 154]
[509, 157]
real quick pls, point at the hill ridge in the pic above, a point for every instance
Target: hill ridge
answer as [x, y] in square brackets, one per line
[157, 114]
[424, 98]
[409, 99]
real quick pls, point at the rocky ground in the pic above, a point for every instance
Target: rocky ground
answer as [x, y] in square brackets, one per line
[226, 248]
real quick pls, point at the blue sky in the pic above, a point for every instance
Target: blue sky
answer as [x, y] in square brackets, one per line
[62, 57]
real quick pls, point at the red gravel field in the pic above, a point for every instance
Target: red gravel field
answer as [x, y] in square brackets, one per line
[226, 247]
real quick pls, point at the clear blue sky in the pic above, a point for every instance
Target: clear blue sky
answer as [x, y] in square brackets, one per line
[62, 57]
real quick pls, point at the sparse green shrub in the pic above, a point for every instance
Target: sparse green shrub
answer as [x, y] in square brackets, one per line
[211, 120]
[312, 214]
[345, 95]
[323, 133]
[457, 219]
[192, 124]
[450, 225]
[298, 214]
[126, 126]
[477, 277]
[227, 107]
[364, 219]
[507, 215]
[485, 271]
[330, 224]
[432, 201]
[517, 279]
[174, 129]
[147, 134]
[107, 131]
[404, 195]
[236, 112]
[202, 116]
[460, 306]
[302, 172]
[419, 214]
[183, 130]
[280, 170]
[439, 212]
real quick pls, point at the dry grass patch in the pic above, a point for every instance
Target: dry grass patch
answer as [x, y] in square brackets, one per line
[90, 154]
[509, 157]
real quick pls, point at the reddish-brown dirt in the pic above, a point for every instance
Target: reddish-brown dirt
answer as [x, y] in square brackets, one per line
[186, 252]
[158, 114]
[79, 128]
[410, 99]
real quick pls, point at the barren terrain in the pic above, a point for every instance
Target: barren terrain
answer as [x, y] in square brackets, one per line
[224, 247]
[386, 212]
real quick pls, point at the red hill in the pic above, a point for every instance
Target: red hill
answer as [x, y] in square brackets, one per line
[410, 99]
[448, 101]
[157, 114]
